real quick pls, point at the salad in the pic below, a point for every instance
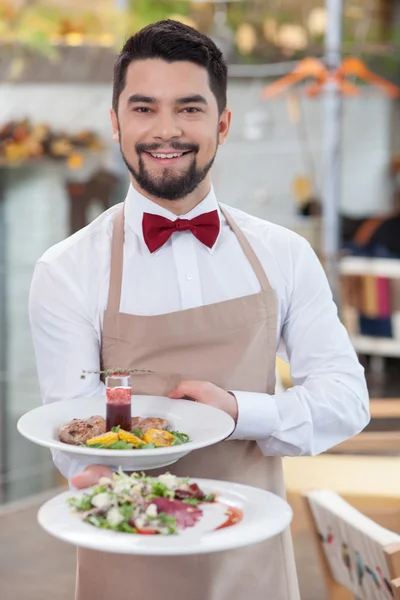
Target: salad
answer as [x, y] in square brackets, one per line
[140, 504]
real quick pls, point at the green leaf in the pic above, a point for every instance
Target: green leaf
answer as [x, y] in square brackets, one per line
[159, 489]
[126, 511]
[138, 432]
[116, 429]
[96, 446]
[120, 445]
[194, 501]
[84, 503]
[181, 438]
[147, 446]
[99, 490]
[127, 528]
[209, 498]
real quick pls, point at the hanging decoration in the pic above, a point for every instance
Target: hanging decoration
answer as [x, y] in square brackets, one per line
[315, 69]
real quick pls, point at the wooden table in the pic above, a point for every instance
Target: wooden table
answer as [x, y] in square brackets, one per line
[370, 483]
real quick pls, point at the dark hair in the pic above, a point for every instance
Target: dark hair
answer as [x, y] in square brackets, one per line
[172, 41]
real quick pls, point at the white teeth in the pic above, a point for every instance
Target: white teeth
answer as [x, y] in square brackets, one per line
[166, 155]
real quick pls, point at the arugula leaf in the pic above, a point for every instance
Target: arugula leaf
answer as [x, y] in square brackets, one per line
[127, 528]
[116, 429]
[126, 511]
[194, 501]
[181, 438]
[159, 489]
[147, 446]
[121, 445]
[209, 498]
[138, 432]
[96, 446]
[84, 503]
[99, 490]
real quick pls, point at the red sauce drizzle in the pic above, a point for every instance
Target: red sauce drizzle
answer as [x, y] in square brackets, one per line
[234, 516]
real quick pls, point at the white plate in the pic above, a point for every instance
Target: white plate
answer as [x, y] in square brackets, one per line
[204, 424]
[264, 516]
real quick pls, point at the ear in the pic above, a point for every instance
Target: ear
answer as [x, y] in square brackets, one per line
[224, 126]
[115, 128]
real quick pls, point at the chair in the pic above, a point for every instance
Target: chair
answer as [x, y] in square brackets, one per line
[360, 559]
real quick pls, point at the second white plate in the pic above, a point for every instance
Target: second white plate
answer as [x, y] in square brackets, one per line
[264, 516]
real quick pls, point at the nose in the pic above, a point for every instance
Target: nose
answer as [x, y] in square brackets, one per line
[166, 127]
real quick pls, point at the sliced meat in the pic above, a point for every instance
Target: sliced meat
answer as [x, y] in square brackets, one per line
[145, 424]
[186, 515]
[189, 491]
[79, 431]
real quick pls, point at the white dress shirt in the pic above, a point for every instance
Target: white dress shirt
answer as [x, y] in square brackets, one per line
[329, 401]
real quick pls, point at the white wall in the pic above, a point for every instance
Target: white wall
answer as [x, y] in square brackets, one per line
[264, 167]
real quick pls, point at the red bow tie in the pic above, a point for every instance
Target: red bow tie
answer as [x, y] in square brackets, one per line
[157, 230]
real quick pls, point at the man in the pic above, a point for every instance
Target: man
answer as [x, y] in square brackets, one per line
[173, 282]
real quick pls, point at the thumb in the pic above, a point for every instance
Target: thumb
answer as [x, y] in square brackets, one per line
[186, 389]
[91, 476]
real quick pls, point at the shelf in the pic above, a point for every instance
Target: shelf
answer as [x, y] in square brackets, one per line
[377, 346]
[380, 267]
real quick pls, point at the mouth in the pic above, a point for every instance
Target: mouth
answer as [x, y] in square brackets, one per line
[167, 158]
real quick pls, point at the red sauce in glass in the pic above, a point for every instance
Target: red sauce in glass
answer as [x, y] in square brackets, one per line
[234, 516]
[118, 408]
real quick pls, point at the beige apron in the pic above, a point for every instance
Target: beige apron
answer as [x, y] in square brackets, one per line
[233, 345]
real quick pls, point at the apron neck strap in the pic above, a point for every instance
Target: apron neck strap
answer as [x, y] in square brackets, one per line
[117, 258]
[249, 252]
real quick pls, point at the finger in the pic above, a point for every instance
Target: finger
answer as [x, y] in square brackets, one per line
[186, 389]
[91, 476]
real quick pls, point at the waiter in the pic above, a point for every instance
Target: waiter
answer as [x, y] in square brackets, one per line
[202, 295]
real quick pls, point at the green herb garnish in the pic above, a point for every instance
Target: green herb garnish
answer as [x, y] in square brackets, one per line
[209, 498]
[84, 503]
[121, 445]
[180, 438]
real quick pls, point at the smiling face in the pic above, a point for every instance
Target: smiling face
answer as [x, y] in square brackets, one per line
[168, 127]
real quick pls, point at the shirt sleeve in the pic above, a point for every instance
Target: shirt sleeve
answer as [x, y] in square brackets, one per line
[65, 343]
[329, 401]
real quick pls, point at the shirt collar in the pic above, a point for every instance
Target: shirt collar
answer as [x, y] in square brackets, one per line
[136, 204]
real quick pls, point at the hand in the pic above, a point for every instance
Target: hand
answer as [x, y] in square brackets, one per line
[90, 476]
[207, 393]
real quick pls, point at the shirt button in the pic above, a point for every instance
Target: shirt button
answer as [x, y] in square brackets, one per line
[189, 276]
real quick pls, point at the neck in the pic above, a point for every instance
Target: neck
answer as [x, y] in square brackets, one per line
[183, 205]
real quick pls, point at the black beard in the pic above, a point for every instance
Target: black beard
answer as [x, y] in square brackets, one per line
[167, 187]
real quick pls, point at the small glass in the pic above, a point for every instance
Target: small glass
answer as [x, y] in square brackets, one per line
[118, 405]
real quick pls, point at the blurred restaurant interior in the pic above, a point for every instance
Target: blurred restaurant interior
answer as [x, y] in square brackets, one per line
[314, 146]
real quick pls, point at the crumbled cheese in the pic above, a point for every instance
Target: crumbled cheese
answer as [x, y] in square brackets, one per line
[121, 487]
[105, 481]
[102, 500]
[151, 510]
[141, 522]
[170, 481]
[114, 517]
[138, 488]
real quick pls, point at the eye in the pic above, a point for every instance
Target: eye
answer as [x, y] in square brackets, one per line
[191, 110]
[142, 109]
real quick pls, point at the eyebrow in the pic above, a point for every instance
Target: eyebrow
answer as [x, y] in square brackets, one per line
[194, 99]
[135, 98]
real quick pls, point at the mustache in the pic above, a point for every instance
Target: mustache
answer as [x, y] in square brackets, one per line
[179, 146]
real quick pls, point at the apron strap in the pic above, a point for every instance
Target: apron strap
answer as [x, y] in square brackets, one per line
[249, 252]
[117, 259]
